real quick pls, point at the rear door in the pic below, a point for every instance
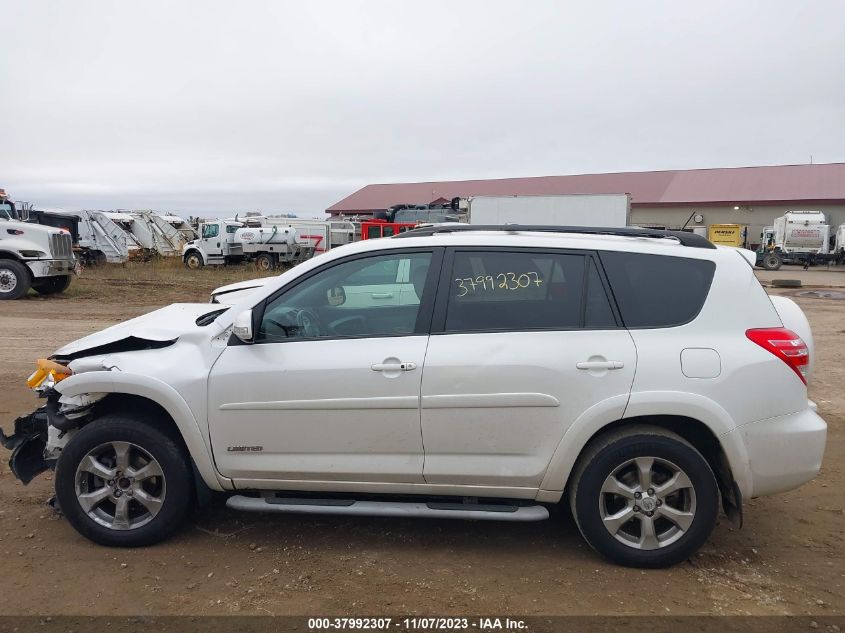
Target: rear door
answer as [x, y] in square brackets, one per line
[523, 343]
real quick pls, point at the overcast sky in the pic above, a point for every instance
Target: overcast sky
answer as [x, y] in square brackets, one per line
[204, 107]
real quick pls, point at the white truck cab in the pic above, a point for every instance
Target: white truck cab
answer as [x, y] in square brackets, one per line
[642, 378]
[216, 244]
[32, 255]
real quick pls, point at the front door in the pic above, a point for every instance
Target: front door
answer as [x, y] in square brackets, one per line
[330, 389]
[212, 241]
[523, 343]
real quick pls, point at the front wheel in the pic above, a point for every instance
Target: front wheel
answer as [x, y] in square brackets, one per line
[644, 497]
[15, 279]
[193, 260]
[122, 482]
[772, 262]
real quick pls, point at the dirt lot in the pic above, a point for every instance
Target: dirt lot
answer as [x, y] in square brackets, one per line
[788, 559]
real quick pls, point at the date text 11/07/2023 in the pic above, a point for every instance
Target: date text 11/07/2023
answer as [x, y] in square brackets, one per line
[502, 281]
[417, 624]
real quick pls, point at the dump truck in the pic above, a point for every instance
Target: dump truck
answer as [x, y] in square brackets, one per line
[800, 237]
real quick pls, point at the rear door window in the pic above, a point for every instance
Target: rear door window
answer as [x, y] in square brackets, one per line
[654, 291]
[525, 290]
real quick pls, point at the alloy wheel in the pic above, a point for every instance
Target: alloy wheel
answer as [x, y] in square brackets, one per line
[120, 485]
[647, 503]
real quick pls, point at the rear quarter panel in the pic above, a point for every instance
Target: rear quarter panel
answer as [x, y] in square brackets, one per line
[752, 384]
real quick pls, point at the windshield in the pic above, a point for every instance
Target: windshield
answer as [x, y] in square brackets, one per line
[5, 211]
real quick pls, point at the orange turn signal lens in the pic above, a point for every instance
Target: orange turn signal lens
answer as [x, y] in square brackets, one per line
[45, 368]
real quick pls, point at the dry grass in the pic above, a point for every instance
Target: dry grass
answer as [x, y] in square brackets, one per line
[156, 282]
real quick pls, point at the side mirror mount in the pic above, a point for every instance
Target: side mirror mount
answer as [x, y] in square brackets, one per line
[242, 327]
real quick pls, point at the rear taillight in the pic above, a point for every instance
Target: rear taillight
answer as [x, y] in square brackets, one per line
[786, 345]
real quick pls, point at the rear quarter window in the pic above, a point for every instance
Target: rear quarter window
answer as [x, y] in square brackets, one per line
[654, 291]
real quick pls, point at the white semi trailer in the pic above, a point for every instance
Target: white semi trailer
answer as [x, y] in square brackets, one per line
[600, 210]
[800, 237]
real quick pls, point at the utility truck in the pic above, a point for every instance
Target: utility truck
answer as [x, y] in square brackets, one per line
[229, 241]
[404, 217]
[799, 237]
[312, 233]
[32, 255]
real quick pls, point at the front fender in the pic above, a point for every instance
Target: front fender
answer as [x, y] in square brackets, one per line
[161, 393]
[652, 403]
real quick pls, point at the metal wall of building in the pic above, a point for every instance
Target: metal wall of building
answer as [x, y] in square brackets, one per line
[753, 217]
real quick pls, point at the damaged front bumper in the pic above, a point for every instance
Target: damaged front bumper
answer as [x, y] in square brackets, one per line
[28, 445]
[39, 437]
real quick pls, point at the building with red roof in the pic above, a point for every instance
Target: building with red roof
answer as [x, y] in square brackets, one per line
[750, 196]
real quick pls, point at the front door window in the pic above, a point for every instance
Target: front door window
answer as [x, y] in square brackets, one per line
[367, 297]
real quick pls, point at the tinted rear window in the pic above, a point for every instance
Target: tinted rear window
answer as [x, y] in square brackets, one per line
[656, 290]
[519, 290]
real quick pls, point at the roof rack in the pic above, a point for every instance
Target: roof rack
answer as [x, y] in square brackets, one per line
[685, 239]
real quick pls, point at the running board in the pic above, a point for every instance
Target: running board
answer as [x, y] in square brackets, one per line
[479, 512]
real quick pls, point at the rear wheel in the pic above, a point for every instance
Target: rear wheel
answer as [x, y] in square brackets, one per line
[644, 497]
[15, 279]
[122, 482]
[265, 262]
[51, 285]
[772, 261]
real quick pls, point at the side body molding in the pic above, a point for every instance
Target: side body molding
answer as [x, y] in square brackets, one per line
[166, 396]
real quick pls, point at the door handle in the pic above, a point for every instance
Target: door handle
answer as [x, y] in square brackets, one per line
[394, 367]
[600, 364]
[382, 295]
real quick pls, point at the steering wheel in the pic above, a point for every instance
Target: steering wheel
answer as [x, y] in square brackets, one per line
[296, 323]
[308, 322]
[287, 329]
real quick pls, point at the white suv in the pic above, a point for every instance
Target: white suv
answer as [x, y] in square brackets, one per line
[454, 371]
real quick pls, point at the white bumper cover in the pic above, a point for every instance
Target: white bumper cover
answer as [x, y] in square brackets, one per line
[50, 267]
[783, 452]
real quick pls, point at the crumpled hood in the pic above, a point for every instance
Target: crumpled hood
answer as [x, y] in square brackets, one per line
[161, 326]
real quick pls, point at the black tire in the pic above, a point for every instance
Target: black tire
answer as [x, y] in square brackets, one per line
[771, 261]
[786, 283]
[15, 279]
[265, 262]
[609, 453]
[193, 260]
[51, 285]
[165, 448]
